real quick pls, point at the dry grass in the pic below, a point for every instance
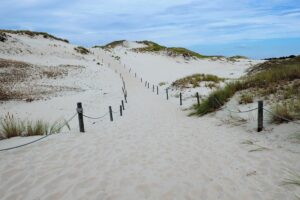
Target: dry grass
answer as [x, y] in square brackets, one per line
[19, 80]
[82, 50]
[10, 126]
[195, 80]
[33, 34]
[290, 110]
[246, 98]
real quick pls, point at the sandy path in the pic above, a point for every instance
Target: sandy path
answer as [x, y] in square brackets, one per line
[153, 152]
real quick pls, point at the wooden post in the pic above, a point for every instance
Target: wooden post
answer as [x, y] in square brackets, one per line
[198, 100]
[80, 117]
[122, 102]
[260, 117]
[135, 75]
[180, 95]
[121, 109]
[153, 88]
[157, 90]
[148, 85]
[145, 83]
[141, 80]
[111, 114]
[125, 97]
[167, 92]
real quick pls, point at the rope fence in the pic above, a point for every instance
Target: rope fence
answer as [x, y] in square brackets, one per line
[81, 116]
[260, 108]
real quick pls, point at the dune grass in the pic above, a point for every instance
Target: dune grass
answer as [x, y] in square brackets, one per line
[33, 33]
[290, 110]
[82, 50]
[294, 179]
[10, 126]
[263, 81]
[195, 80]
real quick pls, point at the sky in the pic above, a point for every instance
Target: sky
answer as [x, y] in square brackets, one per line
[253, 28]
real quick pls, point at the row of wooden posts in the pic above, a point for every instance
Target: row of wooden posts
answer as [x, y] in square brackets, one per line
[259, 108]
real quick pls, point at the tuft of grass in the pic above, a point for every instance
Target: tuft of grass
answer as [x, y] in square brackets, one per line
[246, 98]
[13, 127]
[294, 179]
[82, 50]
[36, 128]
[195, 80]
[259, 149]
[162, 83]
[248, 142]
[289, 110]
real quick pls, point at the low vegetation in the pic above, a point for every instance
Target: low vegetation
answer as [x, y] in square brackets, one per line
[288, 110]
[246, 98]
[170, 51]
[3, 37]
[10, 126]
[195, 80]
[33, 34]
[271, 78]
[81, 50]
[294, 179]
[236, 58]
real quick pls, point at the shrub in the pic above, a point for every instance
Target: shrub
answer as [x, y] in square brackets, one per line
[195, 79]
[246, 98]
[82, 50]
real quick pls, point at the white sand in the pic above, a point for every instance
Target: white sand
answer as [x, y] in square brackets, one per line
[154, 152]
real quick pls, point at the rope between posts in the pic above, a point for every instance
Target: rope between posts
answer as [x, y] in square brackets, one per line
[280, 116]
[96, 117]
[22, 145]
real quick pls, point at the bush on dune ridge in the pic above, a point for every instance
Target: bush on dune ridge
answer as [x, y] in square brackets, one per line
[33, 33]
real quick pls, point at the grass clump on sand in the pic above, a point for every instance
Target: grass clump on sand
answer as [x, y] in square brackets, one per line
[246, 98]
[82, 50]
[290, 110]
[10, 126]
[171, 51]
[195, 80]
[264, 80]
[294, 179]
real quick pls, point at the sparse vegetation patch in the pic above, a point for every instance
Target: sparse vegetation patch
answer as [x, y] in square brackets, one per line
[195, 80]
[82, 50]
[33, 34]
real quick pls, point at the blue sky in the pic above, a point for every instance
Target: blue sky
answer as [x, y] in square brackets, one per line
[255, 28]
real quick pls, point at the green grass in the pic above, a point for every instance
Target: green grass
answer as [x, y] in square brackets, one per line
[10, 126]
[196, 79]
[82, 50]
[33, 33]
[264, 81]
